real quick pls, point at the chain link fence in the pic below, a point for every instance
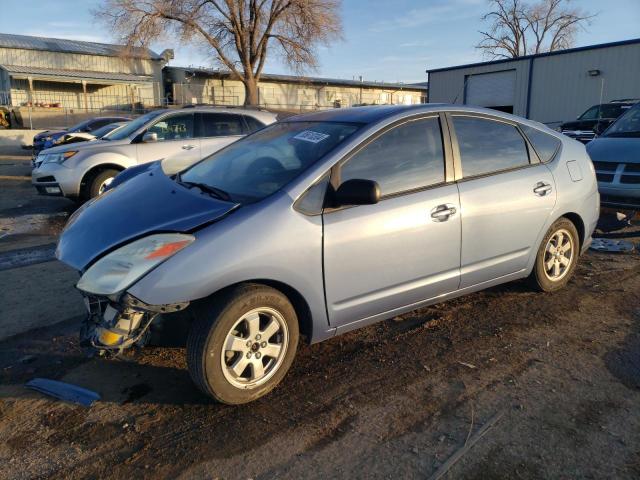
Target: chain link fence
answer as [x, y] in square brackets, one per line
[46, 109]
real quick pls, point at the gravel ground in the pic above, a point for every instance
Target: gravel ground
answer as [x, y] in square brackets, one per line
[396, 399]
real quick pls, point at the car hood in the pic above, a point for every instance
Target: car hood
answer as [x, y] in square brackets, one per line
[584, 124]
[87, 145]
[48, 133]
[615, 149]
[145, 204]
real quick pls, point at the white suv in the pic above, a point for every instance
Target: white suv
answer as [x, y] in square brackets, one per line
[81, 171]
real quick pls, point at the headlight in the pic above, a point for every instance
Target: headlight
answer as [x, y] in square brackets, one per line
[57, 157]
[122, 267]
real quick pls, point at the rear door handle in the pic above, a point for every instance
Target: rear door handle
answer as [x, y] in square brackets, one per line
[443, 212]
[542, 188]
[188, 147]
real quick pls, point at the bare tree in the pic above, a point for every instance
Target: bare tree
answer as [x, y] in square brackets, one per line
[242, 33]
[519, 28]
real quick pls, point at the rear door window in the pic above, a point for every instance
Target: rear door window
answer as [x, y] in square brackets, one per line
[488, 146]
[221, 125]
[407, 157]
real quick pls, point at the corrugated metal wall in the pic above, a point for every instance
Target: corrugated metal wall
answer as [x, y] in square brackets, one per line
[561, 87]
[68, 93]
[447, 86]
[75, 61]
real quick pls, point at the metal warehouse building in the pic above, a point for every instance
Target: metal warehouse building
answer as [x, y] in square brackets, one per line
[549, 87]
[200, 85]
[50, 72]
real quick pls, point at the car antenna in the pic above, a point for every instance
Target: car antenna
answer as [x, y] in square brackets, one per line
[464, 86]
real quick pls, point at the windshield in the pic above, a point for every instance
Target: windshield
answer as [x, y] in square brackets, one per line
[262, 163]
[133, 126]
[628, 125]
[604, 111]
[103, 131]
[79, 126]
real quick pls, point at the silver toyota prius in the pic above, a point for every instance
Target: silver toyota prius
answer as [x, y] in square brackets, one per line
[325, 223]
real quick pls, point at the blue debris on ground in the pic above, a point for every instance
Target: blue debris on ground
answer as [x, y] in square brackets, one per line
[63, 391]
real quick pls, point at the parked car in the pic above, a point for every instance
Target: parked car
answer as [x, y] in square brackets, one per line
[595, 120]
[46, 139]
[616, 157]
[82, 170]
[324, 223]
[79, 137]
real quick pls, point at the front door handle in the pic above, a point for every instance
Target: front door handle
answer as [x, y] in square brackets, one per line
[188, 147]
[443, 212]
[542, 188]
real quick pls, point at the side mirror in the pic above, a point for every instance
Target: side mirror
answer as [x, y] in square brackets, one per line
[150, 137]
[358, 192]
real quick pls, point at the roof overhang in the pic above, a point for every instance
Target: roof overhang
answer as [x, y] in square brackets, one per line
[74, 76]
[634, 41]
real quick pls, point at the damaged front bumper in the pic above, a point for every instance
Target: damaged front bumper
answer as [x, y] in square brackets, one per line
[112, 326]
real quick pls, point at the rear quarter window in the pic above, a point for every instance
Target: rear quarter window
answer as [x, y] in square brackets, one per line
[253, 124]
[544, 144]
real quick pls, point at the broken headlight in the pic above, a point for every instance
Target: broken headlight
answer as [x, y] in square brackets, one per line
[122, 267]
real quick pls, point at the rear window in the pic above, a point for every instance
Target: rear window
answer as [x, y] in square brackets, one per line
[544, 144]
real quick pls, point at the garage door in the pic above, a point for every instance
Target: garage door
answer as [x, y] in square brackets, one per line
[494, 90]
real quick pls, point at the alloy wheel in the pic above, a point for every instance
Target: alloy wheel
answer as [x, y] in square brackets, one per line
[558, 255]
[104, 185]
[254, 348]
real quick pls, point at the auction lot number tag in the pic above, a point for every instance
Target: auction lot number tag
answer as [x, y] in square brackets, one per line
[310, 136]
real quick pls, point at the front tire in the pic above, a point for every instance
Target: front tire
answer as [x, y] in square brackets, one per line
[242, 343]
[557, 257]
[99, 181]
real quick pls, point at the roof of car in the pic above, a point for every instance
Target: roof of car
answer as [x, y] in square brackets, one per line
[254, 112]
[377, 113]
[364, 114]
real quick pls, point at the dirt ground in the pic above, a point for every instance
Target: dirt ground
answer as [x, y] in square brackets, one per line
[394, 400]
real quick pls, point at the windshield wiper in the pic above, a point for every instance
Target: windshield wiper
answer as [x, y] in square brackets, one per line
[215, 191]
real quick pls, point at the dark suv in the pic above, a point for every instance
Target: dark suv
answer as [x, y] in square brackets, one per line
[596, 120]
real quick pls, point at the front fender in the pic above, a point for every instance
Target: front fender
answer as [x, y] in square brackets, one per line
[268, 241]
[113, 159]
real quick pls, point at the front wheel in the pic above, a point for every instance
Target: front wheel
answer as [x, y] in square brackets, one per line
[98, 184]
[557, 256]
[242, 343]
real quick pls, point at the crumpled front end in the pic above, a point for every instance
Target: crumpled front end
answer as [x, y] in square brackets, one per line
[113, 326]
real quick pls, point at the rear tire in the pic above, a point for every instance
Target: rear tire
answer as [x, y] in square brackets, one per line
[98, 181]
[242, 343]
[557, 257]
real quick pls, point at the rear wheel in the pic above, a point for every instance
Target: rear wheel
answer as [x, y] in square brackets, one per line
[99, 181]
[557, 256]
[242, 344]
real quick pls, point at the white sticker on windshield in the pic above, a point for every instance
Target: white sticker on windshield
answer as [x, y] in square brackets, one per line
[309, 136]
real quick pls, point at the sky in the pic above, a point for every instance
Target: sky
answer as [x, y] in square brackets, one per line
[384, 40]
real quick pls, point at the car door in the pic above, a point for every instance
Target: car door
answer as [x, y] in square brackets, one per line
[176, 137]
[219, 129]
[506, 197]
[404, 249]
